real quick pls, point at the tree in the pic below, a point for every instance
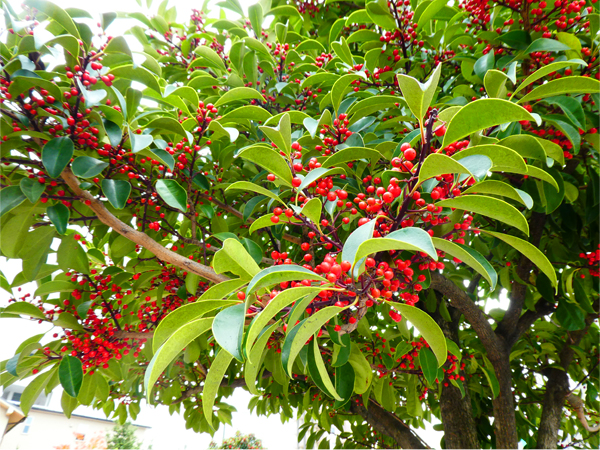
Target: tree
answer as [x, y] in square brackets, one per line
[239, 441]
[123, 436]
[321, 212]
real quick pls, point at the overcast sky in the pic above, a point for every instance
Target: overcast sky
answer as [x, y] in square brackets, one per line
[168, 431]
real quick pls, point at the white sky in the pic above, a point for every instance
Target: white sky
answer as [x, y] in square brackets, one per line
[168, 432]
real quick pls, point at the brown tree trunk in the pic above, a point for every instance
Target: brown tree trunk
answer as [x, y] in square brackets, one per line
[388, 424]
[505, 423]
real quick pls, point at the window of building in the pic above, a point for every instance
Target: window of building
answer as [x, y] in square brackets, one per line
[27, 426]
[16, 397]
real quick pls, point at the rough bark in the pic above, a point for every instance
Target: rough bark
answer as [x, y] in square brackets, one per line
[387, 423]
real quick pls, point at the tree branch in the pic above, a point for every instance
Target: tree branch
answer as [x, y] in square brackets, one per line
[142, 239]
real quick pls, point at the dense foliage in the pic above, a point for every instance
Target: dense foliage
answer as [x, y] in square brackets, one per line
[123, 436]
[323, 210]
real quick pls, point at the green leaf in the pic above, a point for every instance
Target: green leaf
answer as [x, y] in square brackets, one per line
[546, 45]
[281, 136]
[495, 83]
[252, 187]
[294, 342]
[68, 321]
[172, 193]
[59, 216]
[68, 404]
[342, 50]
[437, 164]
[482, 114]
[427, 327]
[428, 365]
[165, 123]
[265, 221]
[139, 74]
[56, 155]
[410, 238]
[24, 308]
[526, 146]
[318, 372]
[312, 209]
[540, 174]
[545, 70]
[380, 14]
[490, 207]
[344, 383]
[484, 64]
[223, 289]
[429, 13]
[252, 366]
[470, 257]
[70, 255]
[171, 348]
[492, 380]
[117, 192]
[352, 154]
[10, 198]
[91, 98]
[240, 94]
[531, 252]
[251, 112]
[363, 374]
[279, 274]
[318, 173]
[139, 141]
[340, 87]
[571, 107]
[88, 167]
[255, 13]
[233, 257]
[32, 189]
[182, 315]
[355, 239]
[418, 96]
[566, 85]
[570, 316]
[51, 287]
[70, 373]
[118, 44]
[270, 160]
[113, 131]
[34, 389]
[228, 329]
[56, 13]
[280, 301]
[495, 187]
[213, 382]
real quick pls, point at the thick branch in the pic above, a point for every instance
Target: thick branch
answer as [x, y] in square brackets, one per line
[142, 239]
[388, 424]
[542, 308]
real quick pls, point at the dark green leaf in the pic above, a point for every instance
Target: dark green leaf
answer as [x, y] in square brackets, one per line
[88, 167]
[70, 373]
[56, 155]
[117, 192]
[59, 216]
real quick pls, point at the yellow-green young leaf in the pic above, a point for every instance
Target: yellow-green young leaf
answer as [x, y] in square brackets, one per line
[340, 87]
[139, 74]
[342, 50]
[186, 313]
[553, 150]
[88, 390]
[470, 257]
[70, 255]
[531, 252]
[253, 364]
[269, 160]
[437, 164]
[525, 145]
[363, 375]
[418, 96]
[212, 383]
[281, 136]
[482, 114]
[411, 238]
[545, 70]
[295, 341]
[172, 347]
[413, 403]
[250, 112]
[490, 207]
[427, 328]
[495, 187]
[255, 13]
[239, 94]
[318, 372]
[25, 309]
[248, 186]
[279, 274]
[376, 103]
[352, 154]
[208, 57]
[169, 124]
[312, 209]
[265, 221]
[34, 389]
[184, 92]
[233, 257]
[68, 404]
[223, 289]
[566, 85]
[495, 83]
[281, 300]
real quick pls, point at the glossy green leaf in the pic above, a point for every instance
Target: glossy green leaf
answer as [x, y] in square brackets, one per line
[536, 172]
[281, 136]
[26, 309]
[470, 257]
[56, 155]
[339, 89]
[71, 255]
[495, 83]
[213, 382]
[428, 365]
[546, 45]
[172, 347]
[279, 274]
[32, 189]
[252, 366]
[492, 381]
[34, 390]
[70, 373]
[181, 316]
[418, 96]
[10, 198]
[265, 221]
[482, 114]
[571, 107]
[56, 13]
[344, 383]
[252, 187]
[139, 74]
[228, 329]
[172, 193]
[140, 141]
[117, 192]
[427, 328]
[318, 372]
[270, 160]
[566, 85]
[504, 159]
[312, 209]
[546, 70]
[68, 404]
[88, 167]
[351, 154]
[233, 257]
[531, 252]
[318, 173]
[223, 289]
[239, 94]
[55, 286]
[165, 123]
[490, 207]
[437, 164]
[495, 187]
[59, 216]
[363, 374]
